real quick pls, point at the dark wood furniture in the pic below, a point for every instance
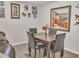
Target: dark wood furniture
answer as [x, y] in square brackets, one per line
[46, 40]
[33, 44]
[58, 45]
[57, 40]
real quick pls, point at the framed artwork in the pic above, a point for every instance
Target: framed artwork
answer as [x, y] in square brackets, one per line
[25, 7]
[2, 12]
[15, 11]
[34, 12]
[60, 18]
[29, 14]
[76, 19]
[1, 3]
[23, 14]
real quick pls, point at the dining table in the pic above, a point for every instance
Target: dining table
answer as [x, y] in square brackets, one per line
[46, 39]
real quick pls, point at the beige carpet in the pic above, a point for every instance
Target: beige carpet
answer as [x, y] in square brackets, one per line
[22, 52]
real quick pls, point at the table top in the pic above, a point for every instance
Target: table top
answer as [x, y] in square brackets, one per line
[45, 39]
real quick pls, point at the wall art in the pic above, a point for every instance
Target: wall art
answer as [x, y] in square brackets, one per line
[15, 11]
[25, 7]
[60, 18]
[2, 12]
[34, 12]
[1, 3]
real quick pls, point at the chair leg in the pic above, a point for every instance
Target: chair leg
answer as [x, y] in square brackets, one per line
[35, 53]
[45, 52]
[61, 53]
[53, 54]
[29, 49]
[39, 51]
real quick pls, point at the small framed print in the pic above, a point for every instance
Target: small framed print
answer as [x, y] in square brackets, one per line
[25, 7]
[2, 12]
[1, 3]
[15, 11]
[29, 14]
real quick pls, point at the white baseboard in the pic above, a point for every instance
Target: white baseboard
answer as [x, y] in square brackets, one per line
[72, 51]
[20, 43]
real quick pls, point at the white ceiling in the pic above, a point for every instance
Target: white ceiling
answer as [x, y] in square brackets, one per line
[37, 3]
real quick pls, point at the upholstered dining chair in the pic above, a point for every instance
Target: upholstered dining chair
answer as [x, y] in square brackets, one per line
[52, 31]
[7, 49]
[3, 37]
[58, 44]
[34, 31]
[32, 43]
[2, 33]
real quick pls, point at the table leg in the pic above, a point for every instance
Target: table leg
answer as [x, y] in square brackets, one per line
[48, 51]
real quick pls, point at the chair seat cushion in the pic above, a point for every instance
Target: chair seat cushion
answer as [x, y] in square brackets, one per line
[40, 45]
[52, 46]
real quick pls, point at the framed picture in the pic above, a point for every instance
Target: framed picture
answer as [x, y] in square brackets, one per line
[60, 18]
[2, 12]
[25, 7]
[15, 11]
[1, 3]
[34, 12]
[29, 14]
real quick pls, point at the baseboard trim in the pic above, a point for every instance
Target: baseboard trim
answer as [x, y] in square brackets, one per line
[72, 51]
[20, 43]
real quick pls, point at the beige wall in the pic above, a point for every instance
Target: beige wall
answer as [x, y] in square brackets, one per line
[15, 29]
[72, 37]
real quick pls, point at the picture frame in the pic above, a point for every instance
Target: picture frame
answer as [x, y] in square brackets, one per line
[15, 11]
[34, 12]
[29, 14]
[1, 3]
[60, 18]
[26, 7]
[2, 12]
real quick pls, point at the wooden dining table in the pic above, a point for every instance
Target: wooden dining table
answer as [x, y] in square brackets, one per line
[46, 39]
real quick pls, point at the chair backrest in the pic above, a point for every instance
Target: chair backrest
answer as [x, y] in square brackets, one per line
[52, 31]
[3, 38]
[59, 42]
[7, 49]
[2, 33]
[34, 30]
[31, 40]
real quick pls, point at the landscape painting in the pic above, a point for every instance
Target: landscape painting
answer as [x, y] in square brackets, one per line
[60, 18]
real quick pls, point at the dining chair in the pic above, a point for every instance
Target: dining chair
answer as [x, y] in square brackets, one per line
[32, 43]
[2, 33]
[34, 30]
[58, 44]
[3, 37]
[7, 49]
[52, 31]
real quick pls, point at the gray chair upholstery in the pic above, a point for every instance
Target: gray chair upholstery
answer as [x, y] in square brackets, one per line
[58, 44]
[34, 30]
[3, 37]
[52, 31]
[7, 49]
[32, 43]
[2, 33]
